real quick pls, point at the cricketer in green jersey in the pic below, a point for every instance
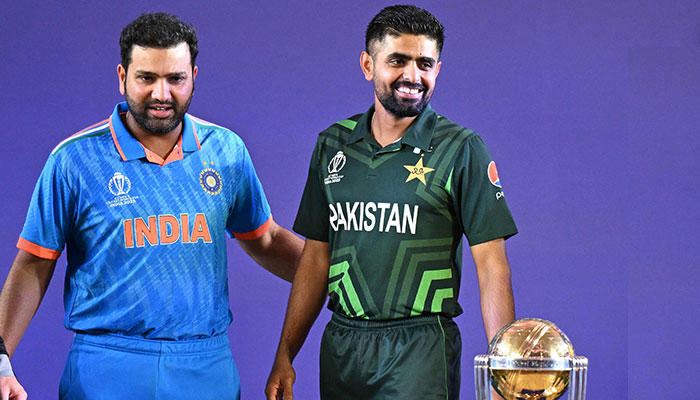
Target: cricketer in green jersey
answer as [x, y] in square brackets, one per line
[389, 195]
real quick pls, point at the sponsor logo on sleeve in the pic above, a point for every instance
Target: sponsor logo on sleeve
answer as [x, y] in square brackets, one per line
[493, 174]
[494, 179]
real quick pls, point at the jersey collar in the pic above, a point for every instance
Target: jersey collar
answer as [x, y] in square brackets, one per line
[418, 133]
[131, 149]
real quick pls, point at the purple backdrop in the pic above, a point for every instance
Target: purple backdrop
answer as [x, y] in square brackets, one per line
[589, 107]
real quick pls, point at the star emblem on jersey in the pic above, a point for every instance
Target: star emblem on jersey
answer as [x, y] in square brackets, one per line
[210, 181]
[418, 171]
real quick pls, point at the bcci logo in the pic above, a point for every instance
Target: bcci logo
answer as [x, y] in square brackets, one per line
[337, 163]
[210, 181]
[119, 184]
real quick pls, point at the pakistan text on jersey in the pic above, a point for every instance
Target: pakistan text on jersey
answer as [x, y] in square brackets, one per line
[165, 229]
[361, 216]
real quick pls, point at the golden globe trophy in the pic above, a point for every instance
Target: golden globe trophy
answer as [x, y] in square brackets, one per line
[530, 359]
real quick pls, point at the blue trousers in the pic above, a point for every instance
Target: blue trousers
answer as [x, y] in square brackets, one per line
[114, 367]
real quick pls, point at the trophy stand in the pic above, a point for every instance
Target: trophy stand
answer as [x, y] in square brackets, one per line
[578, 371]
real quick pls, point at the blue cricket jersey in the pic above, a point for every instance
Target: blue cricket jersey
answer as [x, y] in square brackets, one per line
[145, 240]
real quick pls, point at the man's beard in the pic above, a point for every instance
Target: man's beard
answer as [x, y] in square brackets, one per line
[402, 107]
[154, 125]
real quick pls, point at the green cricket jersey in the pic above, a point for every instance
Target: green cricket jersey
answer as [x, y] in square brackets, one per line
[394, 216]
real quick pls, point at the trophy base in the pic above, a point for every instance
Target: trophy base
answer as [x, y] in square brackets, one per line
[578, 372]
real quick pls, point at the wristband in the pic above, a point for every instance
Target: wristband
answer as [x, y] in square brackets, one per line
[5, 366]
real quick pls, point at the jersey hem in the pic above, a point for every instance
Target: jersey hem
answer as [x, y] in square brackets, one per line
[485, 239]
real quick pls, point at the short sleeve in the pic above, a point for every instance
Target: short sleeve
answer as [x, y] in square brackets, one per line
[51, 214]
[478, 197]
[312, 217]
[250, 216]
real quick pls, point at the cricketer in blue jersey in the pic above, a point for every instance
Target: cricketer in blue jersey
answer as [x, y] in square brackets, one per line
[142, 202]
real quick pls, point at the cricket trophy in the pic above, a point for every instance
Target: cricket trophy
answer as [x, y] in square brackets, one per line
[530, 359]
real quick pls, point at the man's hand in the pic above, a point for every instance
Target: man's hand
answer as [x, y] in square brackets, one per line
[309, 292]
[10, 389]
[279, 384]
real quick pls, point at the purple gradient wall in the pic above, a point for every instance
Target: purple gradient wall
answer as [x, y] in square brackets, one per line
[589, 107]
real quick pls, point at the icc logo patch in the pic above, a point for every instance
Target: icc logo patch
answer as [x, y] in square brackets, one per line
[334, 166]
[493, 174]
[337, 163]
[210, 181]
[119, 184]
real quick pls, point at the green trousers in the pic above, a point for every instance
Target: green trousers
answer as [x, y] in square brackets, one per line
[412, 358]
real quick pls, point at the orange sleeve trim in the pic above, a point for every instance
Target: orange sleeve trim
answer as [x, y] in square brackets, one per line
[256, 233]
[37, 250]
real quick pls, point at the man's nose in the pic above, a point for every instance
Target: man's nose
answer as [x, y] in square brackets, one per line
[411, 72]
[161, 91]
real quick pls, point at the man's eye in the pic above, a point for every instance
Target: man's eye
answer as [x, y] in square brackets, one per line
[177, 79]
[145, 79]
[427, 65]
[395, 61]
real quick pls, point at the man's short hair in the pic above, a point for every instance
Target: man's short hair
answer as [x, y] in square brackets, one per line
[403, 19]
[157, 30]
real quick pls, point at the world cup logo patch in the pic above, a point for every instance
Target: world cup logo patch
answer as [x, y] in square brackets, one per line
[119, 184]
[334, 166]
[337, 163]
[210, 181]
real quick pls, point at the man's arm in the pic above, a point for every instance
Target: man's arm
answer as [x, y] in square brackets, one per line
[493, 272]
[306, 299]
[24, 289]
[278, 251]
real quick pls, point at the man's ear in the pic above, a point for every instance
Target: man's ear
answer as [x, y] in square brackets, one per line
[121, 75]
[367, 65]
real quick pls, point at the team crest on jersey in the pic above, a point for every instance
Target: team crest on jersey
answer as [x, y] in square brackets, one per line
[210, 181]
[120, 186]
[334, 166]
[418, 171]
